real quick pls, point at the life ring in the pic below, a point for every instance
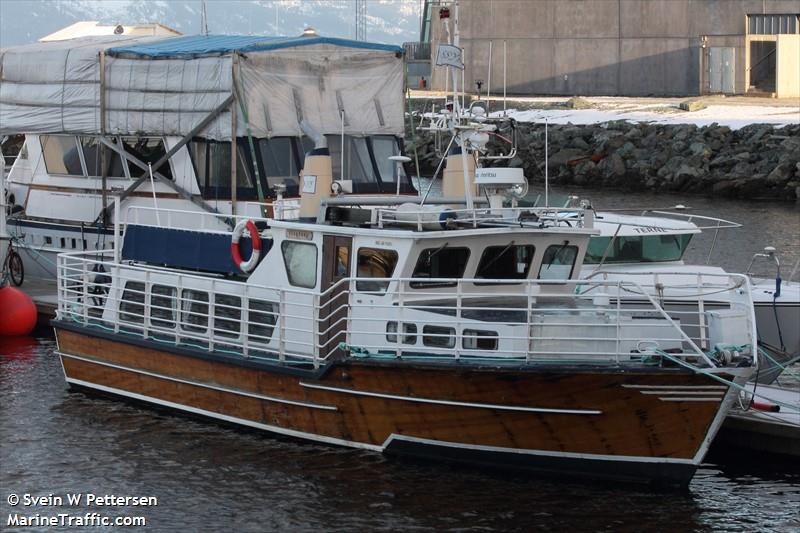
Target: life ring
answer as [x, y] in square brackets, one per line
[238, 231]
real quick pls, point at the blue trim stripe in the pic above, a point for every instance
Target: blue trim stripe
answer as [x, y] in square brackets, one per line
[206, 45]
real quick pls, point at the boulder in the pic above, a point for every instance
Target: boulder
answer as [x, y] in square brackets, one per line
[699, 148]
[612, 166]
[780, 174]
[576, 102]
[565, 156]
[692, 105]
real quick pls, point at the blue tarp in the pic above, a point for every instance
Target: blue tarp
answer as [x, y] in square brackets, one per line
[206, 45]
[197, 250]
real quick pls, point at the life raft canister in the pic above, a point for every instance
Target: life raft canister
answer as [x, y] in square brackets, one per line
[238, 231]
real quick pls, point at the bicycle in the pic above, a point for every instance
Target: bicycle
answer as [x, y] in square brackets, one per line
[12, 266]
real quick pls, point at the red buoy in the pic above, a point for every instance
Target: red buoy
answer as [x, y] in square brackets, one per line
[17, 312]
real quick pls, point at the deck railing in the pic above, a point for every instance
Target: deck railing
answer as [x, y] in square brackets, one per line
[498, 320]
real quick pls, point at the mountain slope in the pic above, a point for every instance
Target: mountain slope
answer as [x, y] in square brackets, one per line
[391, 21]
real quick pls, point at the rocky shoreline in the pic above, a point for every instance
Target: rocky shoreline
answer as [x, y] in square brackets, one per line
[757, 161]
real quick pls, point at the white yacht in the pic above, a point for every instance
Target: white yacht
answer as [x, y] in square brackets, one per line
[148, 120]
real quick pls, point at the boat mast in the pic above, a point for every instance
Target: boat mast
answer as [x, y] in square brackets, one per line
[457, 111]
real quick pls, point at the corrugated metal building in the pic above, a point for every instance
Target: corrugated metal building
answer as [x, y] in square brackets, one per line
[627, 47]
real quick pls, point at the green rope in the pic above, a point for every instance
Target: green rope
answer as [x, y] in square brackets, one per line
[723, 380]
[779, 365]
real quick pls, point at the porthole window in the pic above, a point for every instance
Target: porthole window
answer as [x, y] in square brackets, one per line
[474, 339]
[438, 337]
[409, 332]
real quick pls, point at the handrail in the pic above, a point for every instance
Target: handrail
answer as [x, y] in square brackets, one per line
[498, 319]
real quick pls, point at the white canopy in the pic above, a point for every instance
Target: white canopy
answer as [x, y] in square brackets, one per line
[168, 86]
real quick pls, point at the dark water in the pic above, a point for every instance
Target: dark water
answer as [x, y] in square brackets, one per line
[212, 478]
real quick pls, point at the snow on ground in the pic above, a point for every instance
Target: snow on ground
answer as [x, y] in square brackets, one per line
[732, 111]
[733, 116]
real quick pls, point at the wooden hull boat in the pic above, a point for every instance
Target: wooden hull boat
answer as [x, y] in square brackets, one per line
[648, 425]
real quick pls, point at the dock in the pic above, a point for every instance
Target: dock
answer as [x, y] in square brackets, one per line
[44, 294]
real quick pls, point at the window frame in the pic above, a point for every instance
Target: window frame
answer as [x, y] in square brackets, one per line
[422, 284]
[572, 268]
[78, 147]
[511, 281]
[480, 336]
[451, 336]
[124, 314]
[284, 244]
[360, 285]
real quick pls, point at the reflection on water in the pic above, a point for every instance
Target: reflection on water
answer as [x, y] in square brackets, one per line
[209, 477]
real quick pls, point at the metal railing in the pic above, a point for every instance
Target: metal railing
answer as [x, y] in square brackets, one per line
[483, 216]
[525, 321]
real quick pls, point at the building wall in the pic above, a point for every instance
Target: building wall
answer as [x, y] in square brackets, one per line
[788, 72]
[601, 47]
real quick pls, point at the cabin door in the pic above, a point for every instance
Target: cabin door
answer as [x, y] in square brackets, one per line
[336, 265]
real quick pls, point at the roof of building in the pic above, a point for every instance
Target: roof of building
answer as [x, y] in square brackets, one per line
[86, 28]
[204, 45]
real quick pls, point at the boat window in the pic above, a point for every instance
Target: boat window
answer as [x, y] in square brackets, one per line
[342, 267]
[357, 163]
[383, 147]
[441, 262]
[212, 166]
[61, 155]
[438, 336]
[409, 332]
[162, 306]
[282, 162]
[375, 263]
[558, 261]
[148, 150]
[638, 248]
[261, 319]
[300, 260]
[131, 307]
[194, 310]
[227, 315]
[474, 339]
[511, 261]
[91, 156]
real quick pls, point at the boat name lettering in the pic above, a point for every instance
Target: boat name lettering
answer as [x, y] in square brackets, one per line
[650, 229]
[383, 243]
[299, 234]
